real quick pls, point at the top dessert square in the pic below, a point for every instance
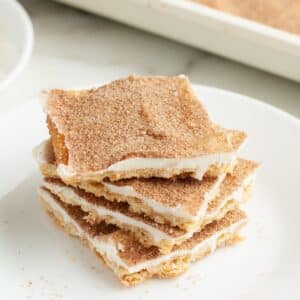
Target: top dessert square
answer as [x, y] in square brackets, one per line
[138, 126]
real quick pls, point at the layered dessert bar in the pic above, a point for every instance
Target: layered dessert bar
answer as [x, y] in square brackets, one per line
[130, 260]
[137, 169]
[178, 202]
[187, 196]
[138, 126]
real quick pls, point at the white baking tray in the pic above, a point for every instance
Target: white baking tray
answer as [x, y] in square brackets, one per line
[245, 41]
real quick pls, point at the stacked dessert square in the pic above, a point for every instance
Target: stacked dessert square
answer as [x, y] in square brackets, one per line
[138, 170]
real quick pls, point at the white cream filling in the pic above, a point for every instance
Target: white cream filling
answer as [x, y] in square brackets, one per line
[157, 235]
[111, 250]
[177, 211]
[198, 165]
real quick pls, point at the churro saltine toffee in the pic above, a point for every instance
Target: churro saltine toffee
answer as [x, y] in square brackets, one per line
[136, 127]
[130, 260]
[138, 170]
[231, 191]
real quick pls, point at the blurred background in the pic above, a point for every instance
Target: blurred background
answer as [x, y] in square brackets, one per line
[73, 47]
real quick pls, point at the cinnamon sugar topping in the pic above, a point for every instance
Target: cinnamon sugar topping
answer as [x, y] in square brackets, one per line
[157, 117]
[189, 193]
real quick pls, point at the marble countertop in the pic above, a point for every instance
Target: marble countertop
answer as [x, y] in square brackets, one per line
[74, 48]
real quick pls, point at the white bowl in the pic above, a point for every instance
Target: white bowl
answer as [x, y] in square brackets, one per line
[16, 40]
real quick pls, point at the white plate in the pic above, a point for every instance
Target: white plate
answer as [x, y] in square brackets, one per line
[39, 261]
[239, 39]
[16, 40]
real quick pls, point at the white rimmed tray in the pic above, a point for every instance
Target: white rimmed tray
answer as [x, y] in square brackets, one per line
[38, 261]
[248, 42]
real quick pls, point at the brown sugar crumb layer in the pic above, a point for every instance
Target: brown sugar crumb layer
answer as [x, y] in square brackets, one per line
[168, 269]
[138, 116]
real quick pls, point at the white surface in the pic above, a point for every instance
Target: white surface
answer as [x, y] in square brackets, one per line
[74, 48]
[39, 262]
[197, 25]
[16, 40]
